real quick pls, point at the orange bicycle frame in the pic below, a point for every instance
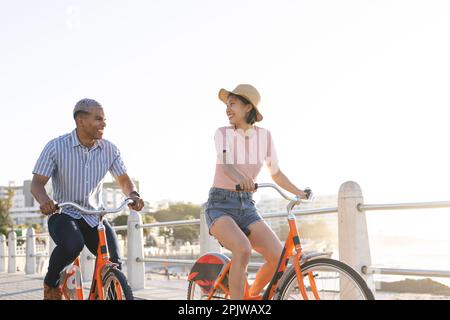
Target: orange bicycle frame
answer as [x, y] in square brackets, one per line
[102, 261]
[292, 243]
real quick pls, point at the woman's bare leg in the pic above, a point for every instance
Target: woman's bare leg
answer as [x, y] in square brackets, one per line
[231, 237]
[264, 241]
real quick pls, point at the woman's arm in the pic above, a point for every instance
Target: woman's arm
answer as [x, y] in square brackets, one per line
[280, 179]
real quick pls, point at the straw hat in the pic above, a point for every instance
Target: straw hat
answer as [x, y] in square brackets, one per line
[248, 92]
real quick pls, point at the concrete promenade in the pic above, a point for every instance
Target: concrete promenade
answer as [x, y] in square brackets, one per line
[19, 286]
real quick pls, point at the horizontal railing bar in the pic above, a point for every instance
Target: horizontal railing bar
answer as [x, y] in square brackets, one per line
[170, 223]
[188, 262]
[45, 255]
[400, 206]
[176, 261]
[406, 272]
[303, 212]
[266, 215]
[120, 228]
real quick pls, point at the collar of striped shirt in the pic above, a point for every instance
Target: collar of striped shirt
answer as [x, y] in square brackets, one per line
[76, 142]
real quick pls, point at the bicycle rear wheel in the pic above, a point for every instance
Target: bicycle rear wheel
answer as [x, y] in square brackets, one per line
[203, 275]
[333, 280]
[197, 292]
[115, 286]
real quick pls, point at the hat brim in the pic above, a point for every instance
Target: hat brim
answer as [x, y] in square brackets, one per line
[223, 96]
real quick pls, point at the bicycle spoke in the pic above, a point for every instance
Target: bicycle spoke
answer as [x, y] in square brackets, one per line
[325, 281]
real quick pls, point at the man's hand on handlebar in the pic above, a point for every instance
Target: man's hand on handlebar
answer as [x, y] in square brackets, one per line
[138, 203]
[49, 207]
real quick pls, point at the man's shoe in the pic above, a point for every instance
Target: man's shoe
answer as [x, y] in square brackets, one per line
[51, 293]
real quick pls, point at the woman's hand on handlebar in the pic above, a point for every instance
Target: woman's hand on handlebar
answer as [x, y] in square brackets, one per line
[247, 185]
[304, 194]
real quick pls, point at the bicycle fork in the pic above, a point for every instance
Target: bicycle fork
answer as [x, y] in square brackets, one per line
[298, 271]
[100, 262]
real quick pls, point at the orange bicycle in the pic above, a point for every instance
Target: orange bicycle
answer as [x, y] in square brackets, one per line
[310, 276]
[108, 282]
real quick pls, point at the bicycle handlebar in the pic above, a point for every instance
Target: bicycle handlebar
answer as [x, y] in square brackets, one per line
[308, 191]
[126, 202]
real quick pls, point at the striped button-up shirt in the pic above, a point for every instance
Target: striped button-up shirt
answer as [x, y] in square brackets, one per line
[77, 172]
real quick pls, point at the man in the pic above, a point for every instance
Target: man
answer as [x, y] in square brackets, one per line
[77, 163]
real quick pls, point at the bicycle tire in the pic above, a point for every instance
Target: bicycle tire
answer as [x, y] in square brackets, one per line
[218, 295]
[204, 274]
[330, 264]
[115, 276]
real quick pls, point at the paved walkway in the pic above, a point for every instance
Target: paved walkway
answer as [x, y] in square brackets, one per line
[19, 286]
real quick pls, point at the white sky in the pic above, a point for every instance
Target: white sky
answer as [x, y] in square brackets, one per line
[351, 90]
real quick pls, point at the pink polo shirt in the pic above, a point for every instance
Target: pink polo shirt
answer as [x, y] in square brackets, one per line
[246, 151]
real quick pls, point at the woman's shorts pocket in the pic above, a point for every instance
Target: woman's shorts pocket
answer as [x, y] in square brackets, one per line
[217, 198]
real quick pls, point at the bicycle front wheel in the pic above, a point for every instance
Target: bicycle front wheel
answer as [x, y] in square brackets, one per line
[115, 286]
[325, 279]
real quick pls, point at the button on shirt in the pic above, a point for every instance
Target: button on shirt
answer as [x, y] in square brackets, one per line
[77, 172]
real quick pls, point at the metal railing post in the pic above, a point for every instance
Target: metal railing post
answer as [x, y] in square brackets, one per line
[3, 253]
[354, 248]
[30, 259]
[12, 247]
[135, 249]
[207, 242]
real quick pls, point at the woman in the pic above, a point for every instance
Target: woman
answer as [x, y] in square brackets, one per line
[231, 215]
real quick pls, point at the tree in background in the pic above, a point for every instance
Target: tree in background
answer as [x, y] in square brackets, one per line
[180, 211]
[6, 223]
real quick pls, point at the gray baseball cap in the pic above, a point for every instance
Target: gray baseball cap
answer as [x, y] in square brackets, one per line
[86, 105]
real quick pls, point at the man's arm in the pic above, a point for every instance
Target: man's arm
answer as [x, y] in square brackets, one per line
[129, 189]
[38, 183]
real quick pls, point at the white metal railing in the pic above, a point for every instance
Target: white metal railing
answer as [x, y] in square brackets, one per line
[354, 246]
[407, 272]
[370, 270]
[402, 206]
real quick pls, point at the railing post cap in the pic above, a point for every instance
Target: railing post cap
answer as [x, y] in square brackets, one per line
[350, 189]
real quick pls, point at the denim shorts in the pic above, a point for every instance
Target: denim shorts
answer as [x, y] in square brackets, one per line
[237, 205]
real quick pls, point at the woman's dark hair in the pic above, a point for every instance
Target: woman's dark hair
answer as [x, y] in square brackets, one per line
[251, 116]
